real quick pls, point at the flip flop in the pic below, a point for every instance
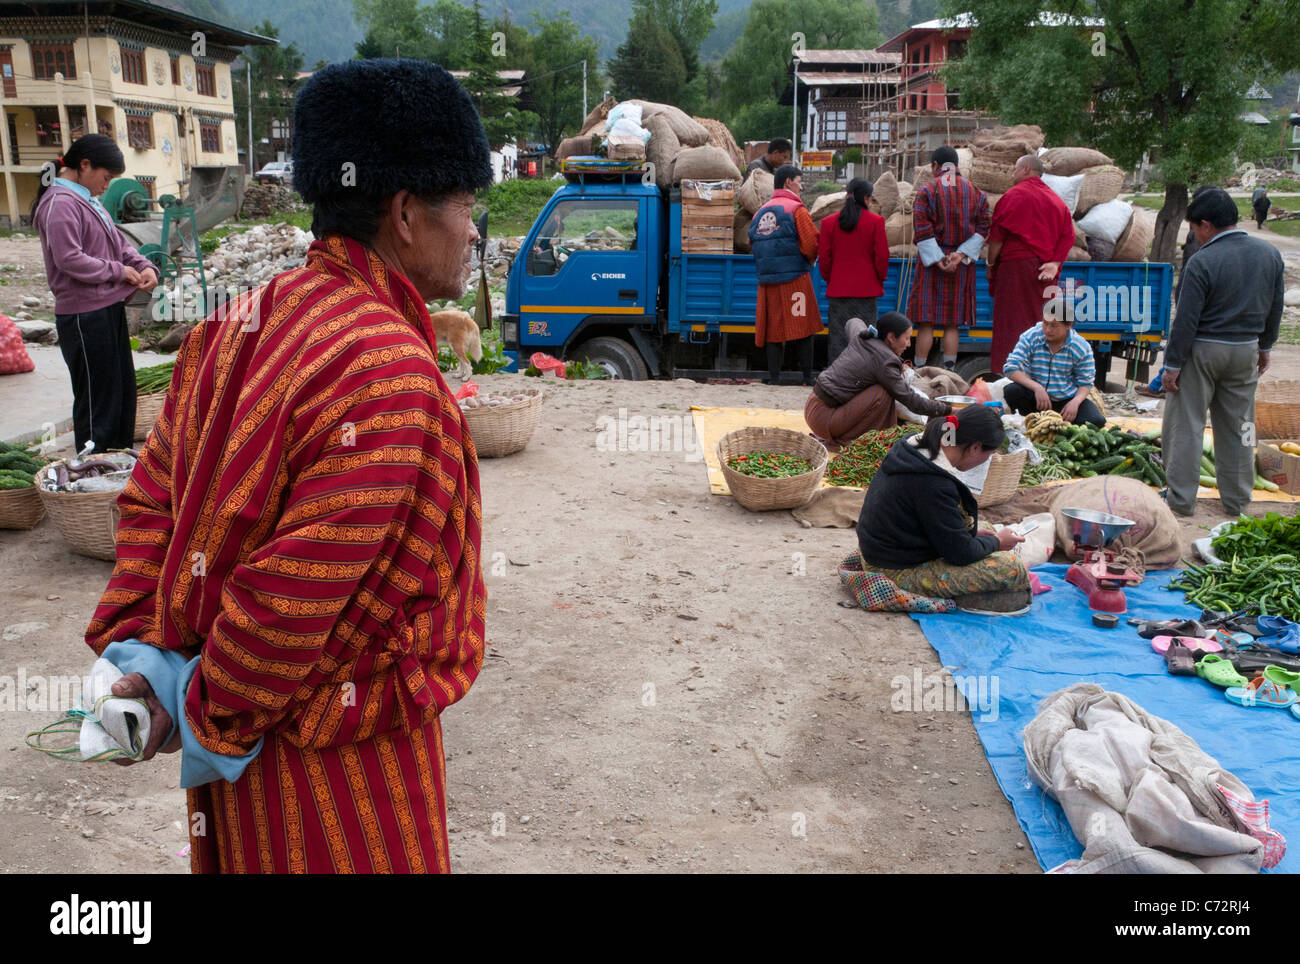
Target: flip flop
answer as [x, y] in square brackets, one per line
[1196, 644]
[1261, 692]
[1220, 672]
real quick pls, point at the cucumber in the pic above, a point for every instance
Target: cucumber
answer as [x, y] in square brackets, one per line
[1108, 463]
[1265, 484]
[1209, 481]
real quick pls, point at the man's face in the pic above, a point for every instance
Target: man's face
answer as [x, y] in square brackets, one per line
[444, 237]
[1203, 230]
[1020, 172]
[1055, 331]
[779, 158]
[794, 184]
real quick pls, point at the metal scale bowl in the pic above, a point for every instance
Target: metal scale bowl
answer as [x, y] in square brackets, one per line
[1097, 573]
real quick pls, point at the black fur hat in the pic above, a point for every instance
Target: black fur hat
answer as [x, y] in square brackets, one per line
[401, 124]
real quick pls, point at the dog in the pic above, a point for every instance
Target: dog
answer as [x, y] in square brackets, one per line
[459, 331]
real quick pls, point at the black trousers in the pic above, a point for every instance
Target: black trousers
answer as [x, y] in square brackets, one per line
[776, 356]
[97, 349]
[1021, 400]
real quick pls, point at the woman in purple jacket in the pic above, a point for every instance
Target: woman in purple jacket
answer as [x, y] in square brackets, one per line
[92, 270]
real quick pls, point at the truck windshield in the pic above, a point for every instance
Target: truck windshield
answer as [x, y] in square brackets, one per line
[583, 224]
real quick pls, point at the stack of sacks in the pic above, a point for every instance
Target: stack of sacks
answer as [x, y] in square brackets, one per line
[750, 196]
[827, 205]
[996, 151]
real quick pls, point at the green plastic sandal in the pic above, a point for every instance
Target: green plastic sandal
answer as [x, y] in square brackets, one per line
[1281, 676]
[1217, 670]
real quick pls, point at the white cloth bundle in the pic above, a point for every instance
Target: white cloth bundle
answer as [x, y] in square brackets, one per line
[111, 723]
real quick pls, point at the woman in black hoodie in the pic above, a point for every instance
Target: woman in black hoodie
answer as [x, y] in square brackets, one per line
[919, 522]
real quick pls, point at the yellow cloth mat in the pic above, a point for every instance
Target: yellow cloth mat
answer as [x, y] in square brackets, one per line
[713, 422]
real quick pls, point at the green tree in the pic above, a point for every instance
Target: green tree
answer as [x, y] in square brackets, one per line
[756, 71]
[1163, 77]
[649, 64]
[274, 70]
[502, 117]
[556, 49]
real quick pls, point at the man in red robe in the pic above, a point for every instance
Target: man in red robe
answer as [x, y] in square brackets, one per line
[298, 592]
[1031, 236]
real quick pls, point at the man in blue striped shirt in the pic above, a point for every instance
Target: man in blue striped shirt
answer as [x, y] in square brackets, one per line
[1052, 367]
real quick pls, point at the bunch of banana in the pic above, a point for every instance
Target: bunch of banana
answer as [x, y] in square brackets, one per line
[1042, 427]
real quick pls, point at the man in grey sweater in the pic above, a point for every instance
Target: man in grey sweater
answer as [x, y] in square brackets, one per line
[1224, 326]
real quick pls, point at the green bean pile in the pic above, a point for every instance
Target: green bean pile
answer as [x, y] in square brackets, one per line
[155, 378]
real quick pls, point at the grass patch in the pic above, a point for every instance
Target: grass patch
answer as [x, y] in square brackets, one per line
[1288, 335]
[513, 206]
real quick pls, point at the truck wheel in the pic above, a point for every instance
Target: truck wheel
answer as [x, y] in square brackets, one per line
[974, 366]
[614, 355]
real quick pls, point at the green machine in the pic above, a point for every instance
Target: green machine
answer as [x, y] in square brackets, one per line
[166, 231]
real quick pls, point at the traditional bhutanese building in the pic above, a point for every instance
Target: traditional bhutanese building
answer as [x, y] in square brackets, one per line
[153, 77]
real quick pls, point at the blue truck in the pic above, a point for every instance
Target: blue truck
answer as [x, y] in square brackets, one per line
[602, 275]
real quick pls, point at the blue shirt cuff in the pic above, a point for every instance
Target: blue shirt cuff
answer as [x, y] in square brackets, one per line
[971, 246]
[929, 252]
[170, 675]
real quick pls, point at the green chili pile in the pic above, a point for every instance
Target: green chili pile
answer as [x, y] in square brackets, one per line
[1270, 582]
[769, 465]
[858, 461]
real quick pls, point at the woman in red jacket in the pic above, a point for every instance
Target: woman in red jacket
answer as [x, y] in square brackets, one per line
[854, 257]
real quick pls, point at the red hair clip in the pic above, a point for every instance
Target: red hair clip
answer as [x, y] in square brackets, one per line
[951, 420]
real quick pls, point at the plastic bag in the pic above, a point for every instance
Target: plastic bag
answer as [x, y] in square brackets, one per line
[468, 390]
[549, 364]
[980, 390]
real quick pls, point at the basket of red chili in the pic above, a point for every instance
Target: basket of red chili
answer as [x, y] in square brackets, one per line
[771, 468]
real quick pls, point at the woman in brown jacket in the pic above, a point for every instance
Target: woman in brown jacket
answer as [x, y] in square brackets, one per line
[856, 394]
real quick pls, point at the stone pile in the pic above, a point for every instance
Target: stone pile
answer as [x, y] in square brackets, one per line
[263, 200]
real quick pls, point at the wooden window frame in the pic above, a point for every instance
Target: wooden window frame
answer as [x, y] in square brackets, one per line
[202, 73]
[134, 69]
[44, 65]
[139, 132]
[206, 129]
[176, 70]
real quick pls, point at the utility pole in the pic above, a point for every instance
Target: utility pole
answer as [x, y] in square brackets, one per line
[248, 65]
[584, 90]
[794, 120]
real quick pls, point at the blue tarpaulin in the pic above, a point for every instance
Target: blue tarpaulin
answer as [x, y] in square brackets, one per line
[1056, 645]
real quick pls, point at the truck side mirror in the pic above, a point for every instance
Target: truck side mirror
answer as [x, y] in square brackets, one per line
[482, 226]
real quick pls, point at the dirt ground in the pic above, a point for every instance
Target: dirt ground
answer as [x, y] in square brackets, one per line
[671, 684]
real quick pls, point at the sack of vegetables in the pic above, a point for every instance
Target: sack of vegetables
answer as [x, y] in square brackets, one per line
[150, 392]
[771, 468]
[20, 502]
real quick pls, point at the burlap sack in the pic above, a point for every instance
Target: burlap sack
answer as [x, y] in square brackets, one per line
[688, 131]
[885, 191]
[598, 114]
[1027, 138]
[993, 199]
[905, 251]
[1080, 237]
[662, 149]
[756, 191]
[707, 163]
[1135, 243]
[581, 146]
[740, 231]
[1068, 161]
[1078, 254]
[828, 204]
[906, 195]
[920, 174]
[720, 136]
[1100, 184]
[992, 176]
[1155, 529]
[899, 229]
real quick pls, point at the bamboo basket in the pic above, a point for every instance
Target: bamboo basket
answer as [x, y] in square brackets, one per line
[1277, 410]
[505, 429]
[1003, 478]
[992, 177]
[21, 508]
[761, 495]
[86, 520]
[147, 410]
[1100, 184]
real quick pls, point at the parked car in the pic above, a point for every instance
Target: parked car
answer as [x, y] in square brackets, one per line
[276, 172]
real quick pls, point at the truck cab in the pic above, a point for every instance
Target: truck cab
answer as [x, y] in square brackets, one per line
[586, 281]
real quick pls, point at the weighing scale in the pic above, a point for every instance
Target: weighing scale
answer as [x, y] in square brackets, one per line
[1097, 573]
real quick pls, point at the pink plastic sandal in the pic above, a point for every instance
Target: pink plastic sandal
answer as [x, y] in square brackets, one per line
[1196, 644]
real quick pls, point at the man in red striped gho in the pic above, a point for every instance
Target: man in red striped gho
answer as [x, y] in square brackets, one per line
[298, 592]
